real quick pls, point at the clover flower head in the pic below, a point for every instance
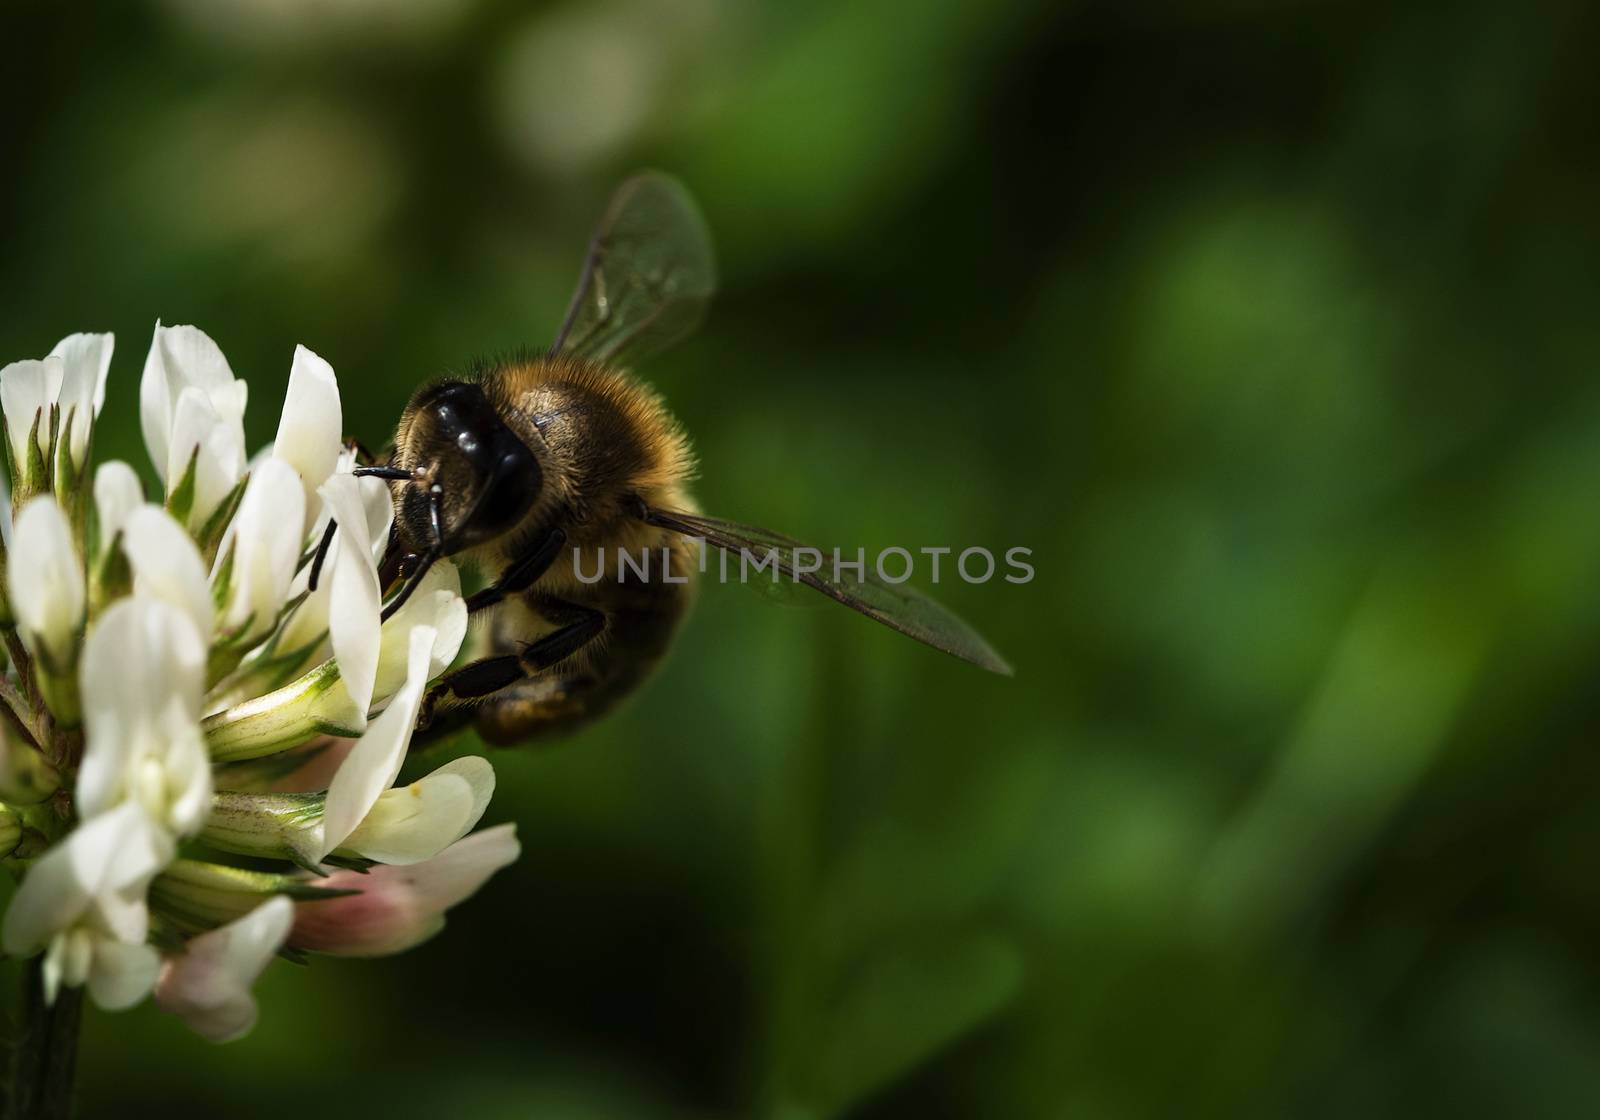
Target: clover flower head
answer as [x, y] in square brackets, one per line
[171, 670]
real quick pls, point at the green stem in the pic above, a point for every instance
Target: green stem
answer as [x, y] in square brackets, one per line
[46, 1056]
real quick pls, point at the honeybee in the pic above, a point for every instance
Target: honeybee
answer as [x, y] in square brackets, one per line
[540, 469]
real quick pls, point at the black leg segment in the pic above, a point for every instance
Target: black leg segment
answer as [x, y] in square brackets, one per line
[522, 573]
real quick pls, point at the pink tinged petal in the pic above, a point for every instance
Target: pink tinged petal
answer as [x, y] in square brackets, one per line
[121, 973]
[354, 601]
[311, 429]
[45, 579]
[86, 359]
[208, 985]
[167, 565]
[323, 757]
[374, 762]
[401, 907]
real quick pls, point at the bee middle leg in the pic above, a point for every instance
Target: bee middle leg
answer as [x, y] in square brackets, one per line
[576, 627]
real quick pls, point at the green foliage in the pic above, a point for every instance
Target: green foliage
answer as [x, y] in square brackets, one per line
[1269, 329]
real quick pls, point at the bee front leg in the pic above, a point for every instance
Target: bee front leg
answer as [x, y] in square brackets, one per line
[522, 573]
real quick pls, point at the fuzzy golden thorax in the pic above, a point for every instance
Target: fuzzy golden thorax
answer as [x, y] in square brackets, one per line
[598, 440]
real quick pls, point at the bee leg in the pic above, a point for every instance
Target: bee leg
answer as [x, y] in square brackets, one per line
[579, 626]
[482, 678]
[522, 574]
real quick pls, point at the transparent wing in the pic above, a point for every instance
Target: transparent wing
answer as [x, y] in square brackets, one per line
[897, 606]
[648, 276]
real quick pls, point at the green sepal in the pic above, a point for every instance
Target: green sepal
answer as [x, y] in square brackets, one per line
[256, 774]
[10, 831]
[11, 473]
[266, 825]
[209, 538]
[113, 577]
[357, 864]
[277, 721]
[71, 494]
[33, 476]
[220, 583]
[194, 895]
[180, 498]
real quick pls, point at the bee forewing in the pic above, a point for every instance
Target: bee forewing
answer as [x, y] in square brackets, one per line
[647, 278]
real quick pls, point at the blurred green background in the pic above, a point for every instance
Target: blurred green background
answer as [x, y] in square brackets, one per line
[1270, 328]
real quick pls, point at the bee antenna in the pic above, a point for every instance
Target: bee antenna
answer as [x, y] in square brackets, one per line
[388, 474]
[322, 553]
[413, 581]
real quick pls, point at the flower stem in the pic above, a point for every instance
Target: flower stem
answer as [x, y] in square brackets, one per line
[46, 1056]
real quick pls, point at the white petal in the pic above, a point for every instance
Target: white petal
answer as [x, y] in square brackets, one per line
[266, 545]
[51, 898]
[479, 775]
[25, 388]
[182, 358]
[142, 676]
[310, 619]
[436, 604]
[354, 600]
[117, 493]
[374, 762]
[86, 359]
[208, 985]
[188, 356]
[155, 405]
[122, 973]
[311, 429]
[214, 442]
[103, 865]
[52, 973]
[45, 580]
[167, 565]
[416, 822]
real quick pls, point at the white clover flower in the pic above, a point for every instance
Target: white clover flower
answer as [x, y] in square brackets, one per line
[117, 493]
[191, 408]
[183, 636]
[392, 909]
[208, 984]
[259, 557]
[57, 400]
[46, 591]
[28, 391]
[403, 825]
[83, 902]
[311, 432]
[85, 361]
[142, 739]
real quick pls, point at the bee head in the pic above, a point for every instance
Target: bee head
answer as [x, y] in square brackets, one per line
[473, 479]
